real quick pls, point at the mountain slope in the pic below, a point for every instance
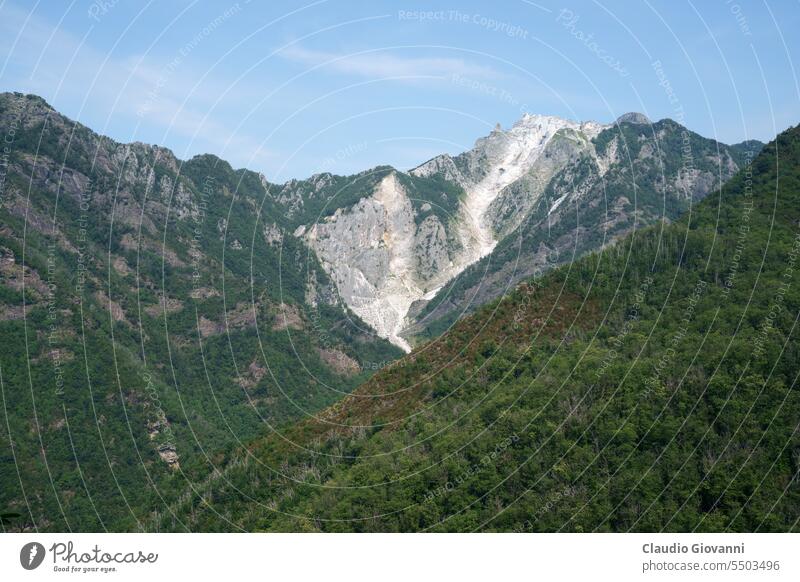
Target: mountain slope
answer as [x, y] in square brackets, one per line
[651, 386]
[152, 313]
[583, 193]
[412, 252]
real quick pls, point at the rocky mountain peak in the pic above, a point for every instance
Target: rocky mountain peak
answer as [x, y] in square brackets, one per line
[384, 255]
[634, 117]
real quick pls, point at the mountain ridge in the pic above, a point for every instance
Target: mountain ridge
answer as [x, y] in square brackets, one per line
[122, 270]
[497, 185]
[640, 388]
[162, 263]
[629, 175]
[456, 210]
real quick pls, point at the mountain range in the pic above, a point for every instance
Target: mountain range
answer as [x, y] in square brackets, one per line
[168, 322]
[649, 386]
[419, 249]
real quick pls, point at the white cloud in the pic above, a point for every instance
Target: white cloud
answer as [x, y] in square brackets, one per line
[379, 63]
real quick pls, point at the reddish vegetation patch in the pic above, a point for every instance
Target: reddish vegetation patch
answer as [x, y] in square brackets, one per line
[403, 387]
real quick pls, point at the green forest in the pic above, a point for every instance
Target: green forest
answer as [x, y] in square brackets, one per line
[173, 360]
[648, 387]
[152, 314]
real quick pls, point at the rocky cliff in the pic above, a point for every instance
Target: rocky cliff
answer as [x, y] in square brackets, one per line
[521, 201]
[588, 186]
[381, 258]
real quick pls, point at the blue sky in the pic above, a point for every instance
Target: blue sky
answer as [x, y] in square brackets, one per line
[293, 88]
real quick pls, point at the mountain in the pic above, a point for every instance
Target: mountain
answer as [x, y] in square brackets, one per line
[585, 187]
[414, 232]
[153, 312]
[411, 252]
[157, 314]
[648, 386]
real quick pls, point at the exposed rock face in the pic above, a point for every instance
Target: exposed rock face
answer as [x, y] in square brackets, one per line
[384, 255]
[442, 166]
[634, 117]
[386, 241]
[581, 194]
[498, 161]
[169, 455]
[380, 259]
[272, 234]
[514, 202]
[525, 186]
[391, 241]
[432, 256]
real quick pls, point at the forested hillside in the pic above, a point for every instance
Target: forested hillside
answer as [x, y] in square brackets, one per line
[651, 386]
[152, 313]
